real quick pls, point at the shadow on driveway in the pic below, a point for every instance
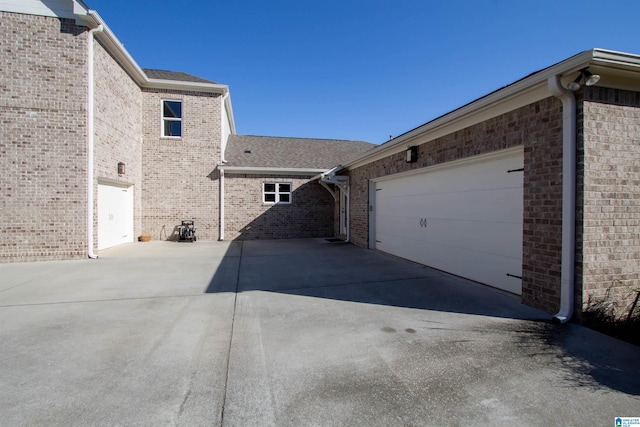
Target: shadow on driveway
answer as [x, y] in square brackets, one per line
[337, 271]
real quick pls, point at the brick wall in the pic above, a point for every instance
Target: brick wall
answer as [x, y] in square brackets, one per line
[43, 145]
[180, 180]
[310, 214]
[118, 131]
[609, 198]
[538, 127]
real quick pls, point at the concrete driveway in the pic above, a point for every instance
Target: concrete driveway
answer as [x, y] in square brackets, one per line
[291, 333]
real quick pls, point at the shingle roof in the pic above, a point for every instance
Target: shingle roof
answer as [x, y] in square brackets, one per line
[283, 152]
[174, 75]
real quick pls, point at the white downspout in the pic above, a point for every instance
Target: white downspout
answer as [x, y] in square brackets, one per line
[567, 277]
[348, 212]
[221, 238]
[90, 140]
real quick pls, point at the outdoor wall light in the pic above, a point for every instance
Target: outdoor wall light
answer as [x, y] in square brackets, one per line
[589, 80]
[121, 168]
[412, 154]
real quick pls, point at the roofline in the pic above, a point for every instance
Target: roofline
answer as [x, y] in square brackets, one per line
[229, 109]
[525, 91]
[92, 19]
[256, 170]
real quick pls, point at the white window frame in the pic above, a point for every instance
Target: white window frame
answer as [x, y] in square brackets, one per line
[277, 192]
[172, 119]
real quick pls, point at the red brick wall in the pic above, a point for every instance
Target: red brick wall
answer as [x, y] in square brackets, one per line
[43, 144]
[609, 199]
[538, 127]
[310, 214]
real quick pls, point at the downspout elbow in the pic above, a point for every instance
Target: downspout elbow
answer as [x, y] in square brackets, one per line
[567, 276]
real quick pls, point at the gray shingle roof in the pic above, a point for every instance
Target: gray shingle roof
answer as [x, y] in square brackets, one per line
[174, 75]
[282, 152]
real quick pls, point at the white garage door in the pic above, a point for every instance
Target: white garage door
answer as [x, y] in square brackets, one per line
[463, 217]
[115, 215]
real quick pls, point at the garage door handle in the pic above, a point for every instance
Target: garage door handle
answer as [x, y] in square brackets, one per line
[423, 222]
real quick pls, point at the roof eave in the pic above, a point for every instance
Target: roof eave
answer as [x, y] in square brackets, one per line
[182, 85]
[525, 91]
[92, 19]
[257, 170]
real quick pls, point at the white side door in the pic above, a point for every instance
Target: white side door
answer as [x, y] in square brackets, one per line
[115, 215]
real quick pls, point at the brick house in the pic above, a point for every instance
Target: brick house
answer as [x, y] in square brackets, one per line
[534, 188]
[271, 186]
[96, 150]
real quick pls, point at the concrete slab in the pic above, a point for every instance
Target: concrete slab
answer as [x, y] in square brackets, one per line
[297, 332]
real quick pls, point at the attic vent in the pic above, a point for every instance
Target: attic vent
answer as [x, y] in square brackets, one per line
[247, 151]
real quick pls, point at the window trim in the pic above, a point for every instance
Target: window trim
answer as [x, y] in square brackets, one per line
[172, 119]
[277, 193]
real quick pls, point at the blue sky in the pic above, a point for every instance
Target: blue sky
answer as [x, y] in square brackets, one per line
[362, 69]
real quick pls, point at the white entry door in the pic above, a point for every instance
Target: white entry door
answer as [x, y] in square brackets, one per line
[115, 215]
[464, 218]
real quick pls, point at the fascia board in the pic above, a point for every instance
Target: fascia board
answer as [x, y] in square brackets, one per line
[180, 85]
[92, 19]
[614, 58]
[229, 108]
[256, 170]
[523, 92]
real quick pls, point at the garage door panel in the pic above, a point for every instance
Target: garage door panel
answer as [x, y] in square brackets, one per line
[474, 236]
[496, 203]
[466, 219]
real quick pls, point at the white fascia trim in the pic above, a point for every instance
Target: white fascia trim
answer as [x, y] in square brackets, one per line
[614, 58]
[92, 19]
[190, 86]
[229, 108]
[523, 92]
[270, 171]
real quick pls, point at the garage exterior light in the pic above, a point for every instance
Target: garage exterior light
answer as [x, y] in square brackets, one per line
[412, 154]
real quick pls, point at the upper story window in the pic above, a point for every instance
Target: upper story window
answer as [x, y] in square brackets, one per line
[276, 192]
[171, 118]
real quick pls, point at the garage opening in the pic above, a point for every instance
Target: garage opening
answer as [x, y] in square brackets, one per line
[462, 217]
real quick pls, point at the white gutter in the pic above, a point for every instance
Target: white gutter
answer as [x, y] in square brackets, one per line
[90, 140]
[567, 276]
[342, 182]
[92, 20]
[253, 170]
[520, 93]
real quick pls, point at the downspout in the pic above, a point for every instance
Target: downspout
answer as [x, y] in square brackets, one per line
[567, 277]
[223, 149]
[90, 140]
[221, 238]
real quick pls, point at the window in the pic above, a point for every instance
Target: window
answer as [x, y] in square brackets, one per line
[172, 118]
[276, 192]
